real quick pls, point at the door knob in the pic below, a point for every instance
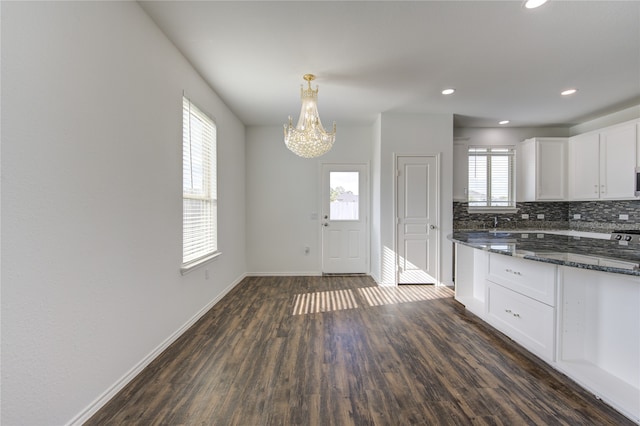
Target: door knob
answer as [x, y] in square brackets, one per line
[432, 226]
[325, 224]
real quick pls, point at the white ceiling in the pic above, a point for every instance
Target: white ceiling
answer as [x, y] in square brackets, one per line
[505, 61]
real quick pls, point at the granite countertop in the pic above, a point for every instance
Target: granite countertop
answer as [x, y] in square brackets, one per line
[569, 250]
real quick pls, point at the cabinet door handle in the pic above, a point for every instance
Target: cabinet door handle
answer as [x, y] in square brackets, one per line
[509, 311]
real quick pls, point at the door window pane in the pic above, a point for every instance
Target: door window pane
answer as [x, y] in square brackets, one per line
[343, 198]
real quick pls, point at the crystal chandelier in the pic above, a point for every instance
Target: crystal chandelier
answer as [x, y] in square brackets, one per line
[308, 139]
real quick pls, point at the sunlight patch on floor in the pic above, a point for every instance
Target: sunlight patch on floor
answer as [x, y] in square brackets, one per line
[323, 301]
[377, 296]
[337, 300]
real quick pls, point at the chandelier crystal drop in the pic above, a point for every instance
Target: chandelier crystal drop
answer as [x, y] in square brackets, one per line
[308, 139]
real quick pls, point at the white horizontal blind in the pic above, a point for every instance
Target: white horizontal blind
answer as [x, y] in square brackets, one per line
[199, 187]
[491, 176]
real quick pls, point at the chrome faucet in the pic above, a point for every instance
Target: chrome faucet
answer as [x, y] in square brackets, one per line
[496, 219]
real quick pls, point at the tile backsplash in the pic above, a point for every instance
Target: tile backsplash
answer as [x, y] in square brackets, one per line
[595, 216]
[604, 216]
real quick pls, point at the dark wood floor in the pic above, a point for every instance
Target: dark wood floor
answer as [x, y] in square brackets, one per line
[371, 356]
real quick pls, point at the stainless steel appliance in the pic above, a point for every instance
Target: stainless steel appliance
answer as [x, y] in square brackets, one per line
[628, 235]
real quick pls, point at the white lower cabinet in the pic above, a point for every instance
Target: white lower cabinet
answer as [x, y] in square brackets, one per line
[520, 298]
[471, 265]
[525, 320]
[584, 323]
[599, 335]
[534, 279]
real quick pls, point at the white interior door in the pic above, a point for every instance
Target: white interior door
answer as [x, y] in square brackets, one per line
[344, 218]
[417, 219]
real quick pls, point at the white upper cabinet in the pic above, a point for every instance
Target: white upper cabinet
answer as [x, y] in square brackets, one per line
[460, 169]
[601, 164]
[618, 162]
[542, 165]
[584, 165]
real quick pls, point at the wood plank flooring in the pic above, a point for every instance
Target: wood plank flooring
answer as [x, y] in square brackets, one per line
[404, 356]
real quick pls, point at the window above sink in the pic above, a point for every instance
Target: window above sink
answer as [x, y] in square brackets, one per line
[491, 179]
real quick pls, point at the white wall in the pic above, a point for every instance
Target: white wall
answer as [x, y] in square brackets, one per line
[283, 191]
[91, 202]
[507, 135]
[376, 202]
[414, 134]
[621, 116]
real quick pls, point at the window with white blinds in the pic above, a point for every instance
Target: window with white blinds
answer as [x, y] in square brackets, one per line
[199, 188]
[491, 176]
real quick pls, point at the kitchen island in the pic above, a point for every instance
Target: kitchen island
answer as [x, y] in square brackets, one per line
[570, 300]
[568, 250]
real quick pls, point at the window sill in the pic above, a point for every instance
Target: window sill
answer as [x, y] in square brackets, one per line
[493, 210]
[194, 264]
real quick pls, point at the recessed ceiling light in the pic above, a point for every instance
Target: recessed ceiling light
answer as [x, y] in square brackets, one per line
[532, 4]
[504, 122]
[448, 91]
[568, 92]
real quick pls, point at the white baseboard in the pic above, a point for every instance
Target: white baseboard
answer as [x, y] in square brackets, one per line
[99, 402]
[284, 274]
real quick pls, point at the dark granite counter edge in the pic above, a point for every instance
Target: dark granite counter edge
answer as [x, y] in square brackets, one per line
[549, 260]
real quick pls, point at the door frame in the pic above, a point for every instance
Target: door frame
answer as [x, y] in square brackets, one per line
[438, 158]
[365, 208]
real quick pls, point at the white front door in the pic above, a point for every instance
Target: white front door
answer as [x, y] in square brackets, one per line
[417, 219]
[344, 218]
